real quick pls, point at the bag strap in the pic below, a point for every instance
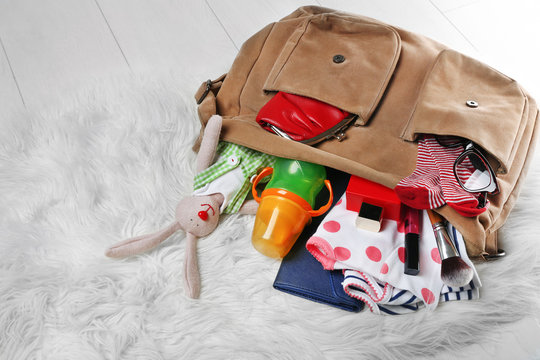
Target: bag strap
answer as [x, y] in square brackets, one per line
[206, 101]
[206, 96]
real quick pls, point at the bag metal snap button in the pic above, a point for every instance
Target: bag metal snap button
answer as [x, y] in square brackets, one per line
[338, 59]
[471, 103]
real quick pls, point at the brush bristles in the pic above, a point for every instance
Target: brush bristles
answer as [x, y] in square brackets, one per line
[455, 272]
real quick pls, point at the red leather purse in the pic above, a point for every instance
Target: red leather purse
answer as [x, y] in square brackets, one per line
[303, 119]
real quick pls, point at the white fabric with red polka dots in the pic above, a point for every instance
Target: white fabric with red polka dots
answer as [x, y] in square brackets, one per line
[380, 256]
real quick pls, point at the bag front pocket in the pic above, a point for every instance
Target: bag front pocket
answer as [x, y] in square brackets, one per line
[463, 97]
[339, 61]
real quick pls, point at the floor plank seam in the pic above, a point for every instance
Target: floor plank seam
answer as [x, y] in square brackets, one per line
[112, 33]
[12, 72]
[222, 26]
[453, 25]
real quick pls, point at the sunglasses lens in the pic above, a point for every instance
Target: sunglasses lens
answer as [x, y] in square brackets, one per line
[449, 141]
[473, 173]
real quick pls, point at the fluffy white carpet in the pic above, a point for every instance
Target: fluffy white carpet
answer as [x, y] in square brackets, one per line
[112, 163]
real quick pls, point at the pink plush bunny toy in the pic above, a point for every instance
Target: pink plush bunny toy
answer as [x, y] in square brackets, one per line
[198, 215]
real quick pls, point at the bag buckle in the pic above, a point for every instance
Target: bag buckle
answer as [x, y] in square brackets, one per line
[500, 253]
[206, 91]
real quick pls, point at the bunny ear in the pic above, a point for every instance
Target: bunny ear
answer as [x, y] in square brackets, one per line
[209, 143]
[142, 243]
[192, 279]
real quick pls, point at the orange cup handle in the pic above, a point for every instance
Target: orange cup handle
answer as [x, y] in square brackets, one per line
[264, 173]
[326, 207]
[268, 171]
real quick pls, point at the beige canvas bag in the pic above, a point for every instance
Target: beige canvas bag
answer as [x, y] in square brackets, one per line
[400, 84]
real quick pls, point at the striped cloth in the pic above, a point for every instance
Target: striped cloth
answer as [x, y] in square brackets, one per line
[433, 182]
[383, 298]
[229, 157]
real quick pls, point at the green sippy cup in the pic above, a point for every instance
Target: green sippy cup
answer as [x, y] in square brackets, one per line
[286, 204]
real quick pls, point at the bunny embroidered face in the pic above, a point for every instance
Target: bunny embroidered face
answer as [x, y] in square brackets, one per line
[199, 215]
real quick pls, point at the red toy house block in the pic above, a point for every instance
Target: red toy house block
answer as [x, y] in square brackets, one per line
[360, 190]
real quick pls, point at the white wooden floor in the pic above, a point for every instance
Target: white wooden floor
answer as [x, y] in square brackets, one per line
[52, 48]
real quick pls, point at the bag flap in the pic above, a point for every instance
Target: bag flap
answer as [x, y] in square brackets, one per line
[466, 98]
[339, 61]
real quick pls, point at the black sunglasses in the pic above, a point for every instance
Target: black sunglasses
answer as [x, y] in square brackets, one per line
[471, 169]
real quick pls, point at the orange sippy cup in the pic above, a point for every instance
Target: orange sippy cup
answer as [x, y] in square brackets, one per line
[285, 205]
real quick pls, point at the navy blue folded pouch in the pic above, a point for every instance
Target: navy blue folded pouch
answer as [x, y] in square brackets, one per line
[302, 275]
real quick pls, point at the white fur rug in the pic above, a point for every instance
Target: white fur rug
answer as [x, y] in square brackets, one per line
[112, 163]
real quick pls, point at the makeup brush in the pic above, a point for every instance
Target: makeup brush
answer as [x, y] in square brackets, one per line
[454, 271]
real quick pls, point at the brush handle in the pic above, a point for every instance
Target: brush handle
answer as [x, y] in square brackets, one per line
[446, 246]
[435, 217]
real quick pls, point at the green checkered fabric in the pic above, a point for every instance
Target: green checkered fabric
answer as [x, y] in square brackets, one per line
[231, 156]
